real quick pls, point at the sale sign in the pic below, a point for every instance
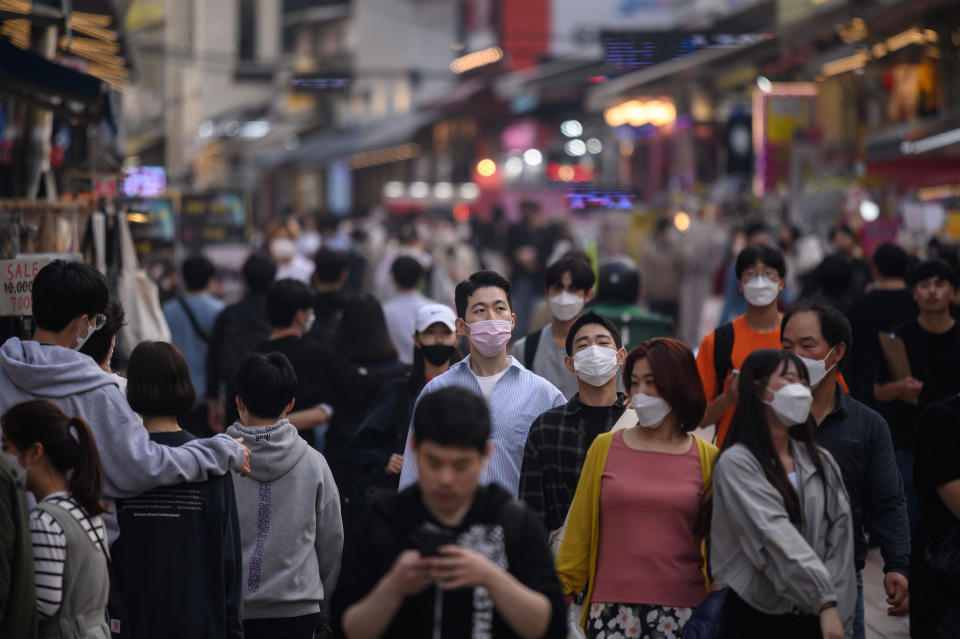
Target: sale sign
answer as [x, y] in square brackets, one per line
[17, 278]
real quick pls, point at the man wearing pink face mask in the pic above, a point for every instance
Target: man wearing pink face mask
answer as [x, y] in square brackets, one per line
[515, 395]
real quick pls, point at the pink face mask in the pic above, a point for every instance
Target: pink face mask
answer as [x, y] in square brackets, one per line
[490, 336]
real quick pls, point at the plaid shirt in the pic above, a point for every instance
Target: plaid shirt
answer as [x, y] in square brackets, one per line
[553, 459]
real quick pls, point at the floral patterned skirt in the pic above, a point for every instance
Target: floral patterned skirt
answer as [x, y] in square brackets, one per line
[619, 621]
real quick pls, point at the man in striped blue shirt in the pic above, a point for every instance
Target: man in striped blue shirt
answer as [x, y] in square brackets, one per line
[515, 395]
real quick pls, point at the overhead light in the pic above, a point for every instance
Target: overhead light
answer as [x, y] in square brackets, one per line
[869, 211]
[393, 189]
[657, 112]
[764, 84]
[571, 128]
[486, 167]
[443, 191]
[476, 59]
[941, 192]
[254, 129]
[419, 190]
[566, 173]
[681, 221]
[231, 128]
[576, 148]
[513, 167]
[469, 191]
[206, 129]
[533, 157]
[909, 147]
[594, 146]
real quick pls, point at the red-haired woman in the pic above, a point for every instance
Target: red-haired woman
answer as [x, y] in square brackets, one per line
[633, 530]
[69, 540]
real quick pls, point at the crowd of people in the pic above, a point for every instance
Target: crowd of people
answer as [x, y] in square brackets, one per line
[396, 449]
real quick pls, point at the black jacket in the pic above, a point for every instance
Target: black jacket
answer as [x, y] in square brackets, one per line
[498, 527]
[178, 561]
[859, 440]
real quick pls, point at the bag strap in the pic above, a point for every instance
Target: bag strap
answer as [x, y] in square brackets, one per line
[722, 352]
[202, 334]
[530, 349]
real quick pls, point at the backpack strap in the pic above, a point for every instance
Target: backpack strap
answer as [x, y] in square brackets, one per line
[202, 334]
[722, 351]
[530, 349]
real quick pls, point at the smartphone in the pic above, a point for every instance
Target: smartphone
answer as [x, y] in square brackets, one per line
[429, 537]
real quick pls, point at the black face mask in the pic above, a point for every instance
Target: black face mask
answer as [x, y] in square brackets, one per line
[437, 354]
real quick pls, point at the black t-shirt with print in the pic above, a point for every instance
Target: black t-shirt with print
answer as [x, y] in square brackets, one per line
[496, 526]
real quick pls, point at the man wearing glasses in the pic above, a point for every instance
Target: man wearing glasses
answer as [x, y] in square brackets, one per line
[69, 300]
[760, 272]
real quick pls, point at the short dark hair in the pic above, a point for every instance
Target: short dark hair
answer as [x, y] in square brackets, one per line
[924, 271]
[284, 298]
[158, 380]
[766, 255]
[406, 272]
[63, 290]
[454, 417]
[675, 373]
[329, 265]
[841, 228]
[197, 272]
[98, 345]
[891, 260]
[834, 326]
[578, 265]
[259, 272]
[480, 279]
[266, 383]
[592, 317]
[755, 228]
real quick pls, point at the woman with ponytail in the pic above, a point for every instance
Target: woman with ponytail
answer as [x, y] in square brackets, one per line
[69, 540]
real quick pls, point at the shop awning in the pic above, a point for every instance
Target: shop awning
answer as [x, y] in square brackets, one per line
[341, 143]
[70, 94]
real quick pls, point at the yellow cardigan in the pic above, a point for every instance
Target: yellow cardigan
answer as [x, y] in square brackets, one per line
[577, 558]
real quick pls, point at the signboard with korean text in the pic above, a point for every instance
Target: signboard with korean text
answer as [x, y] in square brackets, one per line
[212, 218]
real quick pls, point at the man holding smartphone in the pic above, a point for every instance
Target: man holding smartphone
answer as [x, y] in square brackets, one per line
[447, 557]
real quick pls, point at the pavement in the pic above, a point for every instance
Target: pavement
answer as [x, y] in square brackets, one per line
[880, 625]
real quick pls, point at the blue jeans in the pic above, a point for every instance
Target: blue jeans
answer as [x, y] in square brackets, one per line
[905, 465]
[859, 627]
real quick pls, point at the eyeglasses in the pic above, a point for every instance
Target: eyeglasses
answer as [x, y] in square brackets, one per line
[98, 322]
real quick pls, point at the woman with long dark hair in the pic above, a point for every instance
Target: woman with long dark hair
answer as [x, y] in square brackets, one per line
[377, 447]
[781, 532]
[634, 531]
[69, 540]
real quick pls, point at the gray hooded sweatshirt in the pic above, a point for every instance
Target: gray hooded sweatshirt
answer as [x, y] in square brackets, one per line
[132, 464]
[290, 527]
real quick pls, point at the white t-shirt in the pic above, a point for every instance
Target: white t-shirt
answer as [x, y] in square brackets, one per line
[487, 383]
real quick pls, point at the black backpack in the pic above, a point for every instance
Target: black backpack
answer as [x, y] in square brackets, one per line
[722, 350]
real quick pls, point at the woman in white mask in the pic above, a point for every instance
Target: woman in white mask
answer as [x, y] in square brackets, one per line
[781, 530]
[634, 531]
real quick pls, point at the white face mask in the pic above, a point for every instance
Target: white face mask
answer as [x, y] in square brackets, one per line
[760, 291]
[817, 368]
[791, 404]
[596, 365]
[308, 324]
[565, 306]
[282, 249]
[91, 329]
[651, 411]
